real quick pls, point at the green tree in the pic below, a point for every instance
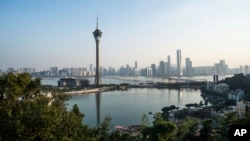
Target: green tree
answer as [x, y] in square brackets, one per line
[161, 131]
[172, 107]
[144, 121]
[27, 114]
[206, 130]
[104, 130]
[189, 105]
[238, 81]
[187, 130]
[165, 131]
[201, 103]
[206, 103]
[158, 118]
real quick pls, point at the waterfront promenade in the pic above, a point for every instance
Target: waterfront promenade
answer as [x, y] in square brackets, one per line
[86, 91]
[125, 86]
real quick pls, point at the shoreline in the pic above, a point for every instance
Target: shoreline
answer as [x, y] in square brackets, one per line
[198, 85]
[87, 91]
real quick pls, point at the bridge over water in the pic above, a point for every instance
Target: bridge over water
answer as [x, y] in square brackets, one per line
[164, 79]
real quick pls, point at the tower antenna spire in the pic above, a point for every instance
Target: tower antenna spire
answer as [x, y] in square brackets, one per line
[97, 21]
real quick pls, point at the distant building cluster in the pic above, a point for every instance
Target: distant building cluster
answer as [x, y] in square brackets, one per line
[223, 88]
[164, 68]
[65, 72]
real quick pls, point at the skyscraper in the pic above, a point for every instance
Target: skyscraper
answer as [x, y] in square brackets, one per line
[162, 68]
[97, 35]
[53, 71]
[153, 69]
[179, 69]
[136, 65]
[246, 69]
[169, 66]
[90, 67]
[221, 67]
[136, 70]
[189, 67]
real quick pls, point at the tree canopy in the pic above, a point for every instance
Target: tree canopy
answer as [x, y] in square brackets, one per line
[27, 114]
[238, 81]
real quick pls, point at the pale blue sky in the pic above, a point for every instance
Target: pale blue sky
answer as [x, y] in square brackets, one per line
[45, 33]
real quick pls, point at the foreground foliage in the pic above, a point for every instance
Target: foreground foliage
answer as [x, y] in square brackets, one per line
[27, 114]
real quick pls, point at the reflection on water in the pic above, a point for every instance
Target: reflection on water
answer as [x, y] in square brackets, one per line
[180, 97]
[98, 107]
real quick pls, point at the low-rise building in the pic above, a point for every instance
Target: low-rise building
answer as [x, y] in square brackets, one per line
[237, 94]
[220, 87]
[73, 82]
[248, 76]
[210, 86]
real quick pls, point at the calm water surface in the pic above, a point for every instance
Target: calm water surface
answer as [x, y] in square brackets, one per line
[127, 107]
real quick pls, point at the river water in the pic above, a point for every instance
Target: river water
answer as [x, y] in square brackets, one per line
[128, 107]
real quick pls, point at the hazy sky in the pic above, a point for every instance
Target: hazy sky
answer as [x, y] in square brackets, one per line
[45, 33]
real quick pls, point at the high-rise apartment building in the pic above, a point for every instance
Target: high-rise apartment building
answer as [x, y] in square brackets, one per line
[189, 68]
[149, 71]
[27, 70]
[169, 66]
[90, 67]
[162, 68]
[53, 71]
[136, 65]
[135, 69]
[179, 69]
[221, 67]
[153, 70]
[246, 69]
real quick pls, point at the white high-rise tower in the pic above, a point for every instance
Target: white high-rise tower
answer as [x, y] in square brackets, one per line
[179, 69]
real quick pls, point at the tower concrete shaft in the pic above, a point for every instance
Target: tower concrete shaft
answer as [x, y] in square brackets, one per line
[97, 35]
[97, 71]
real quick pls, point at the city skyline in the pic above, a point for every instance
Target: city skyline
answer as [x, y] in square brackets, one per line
[161, 69]
[41, 34]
